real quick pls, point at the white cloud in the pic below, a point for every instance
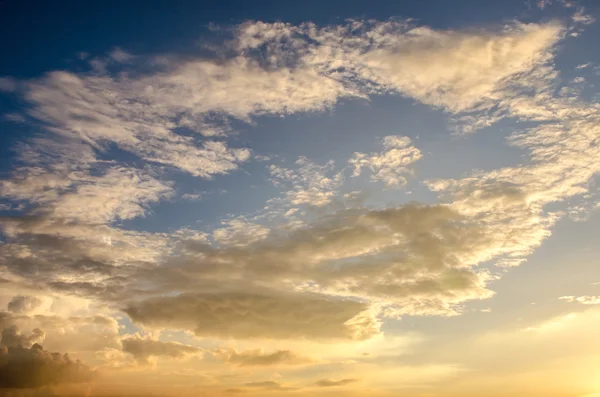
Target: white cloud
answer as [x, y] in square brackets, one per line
[119, 193]
[312, 184]
[581, 17]
[100, 110]
[240, 232]
[585, 300]
[390, 165]
[458, 71]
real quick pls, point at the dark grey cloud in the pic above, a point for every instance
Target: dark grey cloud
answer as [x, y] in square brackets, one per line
[32, 367]
[12, 337]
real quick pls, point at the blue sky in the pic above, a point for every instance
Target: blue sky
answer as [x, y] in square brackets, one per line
[311, 198]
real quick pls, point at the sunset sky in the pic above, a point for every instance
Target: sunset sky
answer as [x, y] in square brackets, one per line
[300, 198]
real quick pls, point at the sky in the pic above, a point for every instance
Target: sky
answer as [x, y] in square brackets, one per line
[312, 198]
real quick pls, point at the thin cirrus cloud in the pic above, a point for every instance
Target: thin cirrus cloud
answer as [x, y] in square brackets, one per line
[324, 272]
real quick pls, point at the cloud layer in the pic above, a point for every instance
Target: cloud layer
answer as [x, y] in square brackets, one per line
[317, 265]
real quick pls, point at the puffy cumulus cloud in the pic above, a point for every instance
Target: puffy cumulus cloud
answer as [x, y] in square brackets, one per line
[389, 166]
[258, 358]
[83, 335]
[34, 367]
[312, 184]
[239, 231]
[333, 382]
[585, 300]
[146, 350]
[24, 304]
[262, 314]
[25, 364]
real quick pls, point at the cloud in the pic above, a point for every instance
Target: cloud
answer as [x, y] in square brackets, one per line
[417, 258]
[581, 17]
[83, 335]
[264, 314]
[33, 367]
[312, 184]
[269, 385]
[411, 259]
[12, 337]
[585, 300]
[192, 196]
[340, 271]
[333, 382]
[121, 56]
[144, 350]
[78, 259]
[119, 194]
[8, 84]
[257, 358]
[458, 71]
[389, 166]
[543, 3]
[239, 231]
[23, 304]
[63, 181]
[512, 201]
[100, 110]
[332, 275]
